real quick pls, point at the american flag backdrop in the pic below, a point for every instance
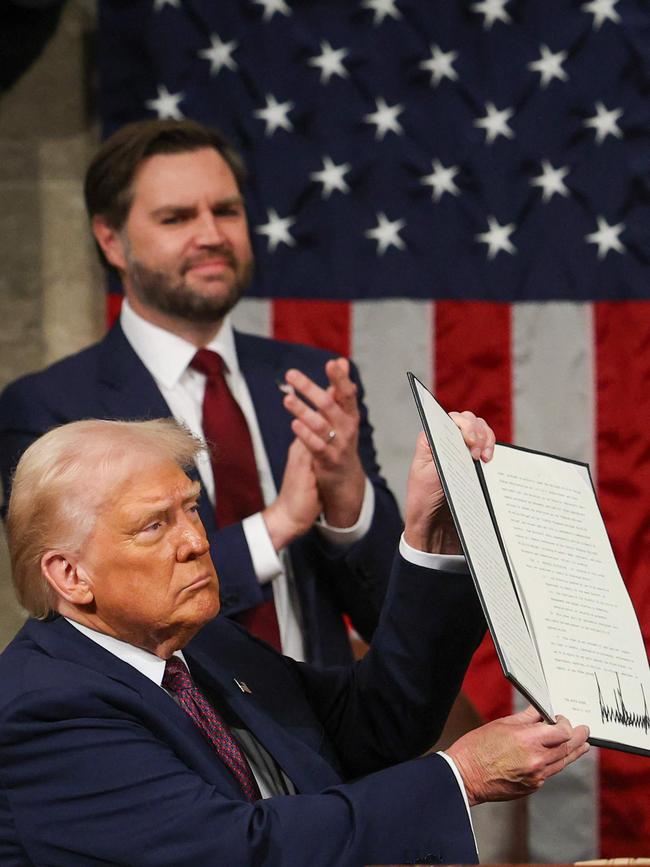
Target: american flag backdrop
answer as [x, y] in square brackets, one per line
[460, 188]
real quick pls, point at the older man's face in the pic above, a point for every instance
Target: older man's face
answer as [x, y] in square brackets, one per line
[148, 561]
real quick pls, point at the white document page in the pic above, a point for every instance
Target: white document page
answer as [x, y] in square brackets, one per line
[579, 609]
[482, 550]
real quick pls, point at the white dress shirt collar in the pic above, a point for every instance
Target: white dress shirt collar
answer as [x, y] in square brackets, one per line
[167, 356]
[146, 663]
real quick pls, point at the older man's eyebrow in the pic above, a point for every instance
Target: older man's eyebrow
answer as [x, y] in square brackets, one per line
[160, 504]
[157, 508]
[193, 493]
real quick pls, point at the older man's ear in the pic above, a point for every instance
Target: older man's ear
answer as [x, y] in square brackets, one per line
[67, 578]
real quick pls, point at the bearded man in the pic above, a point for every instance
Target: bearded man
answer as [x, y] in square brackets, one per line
[167, 212]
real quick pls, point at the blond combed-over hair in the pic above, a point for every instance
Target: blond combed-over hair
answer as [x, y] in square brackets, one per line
[61, 482]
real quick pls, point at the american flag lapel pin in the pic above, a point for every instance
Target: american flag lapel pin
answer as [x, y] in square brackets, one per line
[243, 686]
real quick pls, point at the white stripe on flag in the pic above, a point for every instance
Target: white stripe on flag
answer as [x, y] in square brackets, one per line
[553, 372]
[388, 338]
[554, 411]
[253, 315]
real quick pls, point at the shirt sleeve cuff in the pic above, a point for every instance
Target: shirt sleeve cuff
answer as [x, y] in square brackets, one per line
[345, 536]
[266, 563]
[443, 562]
[461, 786]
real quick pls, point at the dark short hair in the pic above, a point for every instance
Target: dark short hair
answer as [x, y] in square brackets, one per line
[108, 186]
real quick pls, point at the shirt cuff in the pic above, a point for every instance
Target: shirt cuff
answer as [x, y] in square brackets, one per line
[266, 563]
[345, 536]
[443, 562]
[461, 786]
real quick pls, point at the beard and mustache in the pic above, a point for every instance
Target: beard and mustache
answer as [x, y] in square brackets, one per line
[172, 295]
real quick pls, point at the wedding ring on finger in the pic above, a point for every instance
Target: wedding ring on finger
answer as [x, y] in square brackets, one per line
[331, 435]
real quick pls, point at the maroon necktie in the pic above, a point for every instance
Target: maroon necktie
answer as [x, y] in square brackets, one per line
[237, 484]
[178, 681]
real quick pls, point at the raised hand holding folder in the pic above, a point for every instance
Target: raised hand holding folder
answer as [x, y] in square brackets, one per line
[562, 621]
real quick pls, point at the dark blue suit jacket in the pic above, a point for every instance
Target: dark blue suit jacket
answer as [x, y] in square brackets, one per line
[99, 766]
[108, 380]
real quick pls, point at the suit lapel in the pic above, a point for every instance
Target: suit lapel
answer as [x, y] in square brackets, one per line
[62, 640]
[263, 365]
[126, 389]
[297, 757]
[301, 762]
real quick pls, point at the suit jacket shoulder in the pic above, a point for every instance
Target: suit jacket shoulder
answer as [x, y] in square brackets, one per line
[95, 382]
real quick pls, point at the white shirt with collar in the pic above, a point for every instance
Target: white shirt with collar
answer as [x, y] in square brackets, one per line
[167, 358]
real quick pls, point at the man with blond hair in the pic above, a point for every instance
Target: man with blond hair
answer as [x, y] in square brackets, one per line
[137, 727]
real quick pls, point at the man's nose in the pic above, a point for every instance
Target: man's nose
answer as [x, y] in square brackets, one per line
[192, 543]
[208, 230]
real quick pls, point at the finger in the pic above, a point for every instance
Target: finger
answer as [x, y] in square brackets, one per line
[316, 404]
[581, 732]
[338, 370]
[485, 439]
[314, 421]
[478, 436]
[554, 755]
[553, 735]
[564, 733]
[466, 427]
[563, 762]
[577, 753]
[298, 454]
[316, 446]
[319, 397]
[345, 391]
[422, 449]
[578, 737]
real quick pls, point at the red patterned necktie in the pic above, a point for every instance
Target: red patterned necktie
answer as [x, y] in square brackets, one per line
[238, 492]
[178, 681]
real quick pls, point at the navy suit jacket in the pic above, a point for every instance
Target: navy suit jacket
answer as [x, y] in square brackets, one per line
[99, 766]
[108, 380]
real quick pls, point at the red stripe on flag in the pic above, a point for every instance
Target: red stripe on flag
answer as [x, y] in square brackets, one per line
[473, 371]
[623, 450]
[318, 323]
